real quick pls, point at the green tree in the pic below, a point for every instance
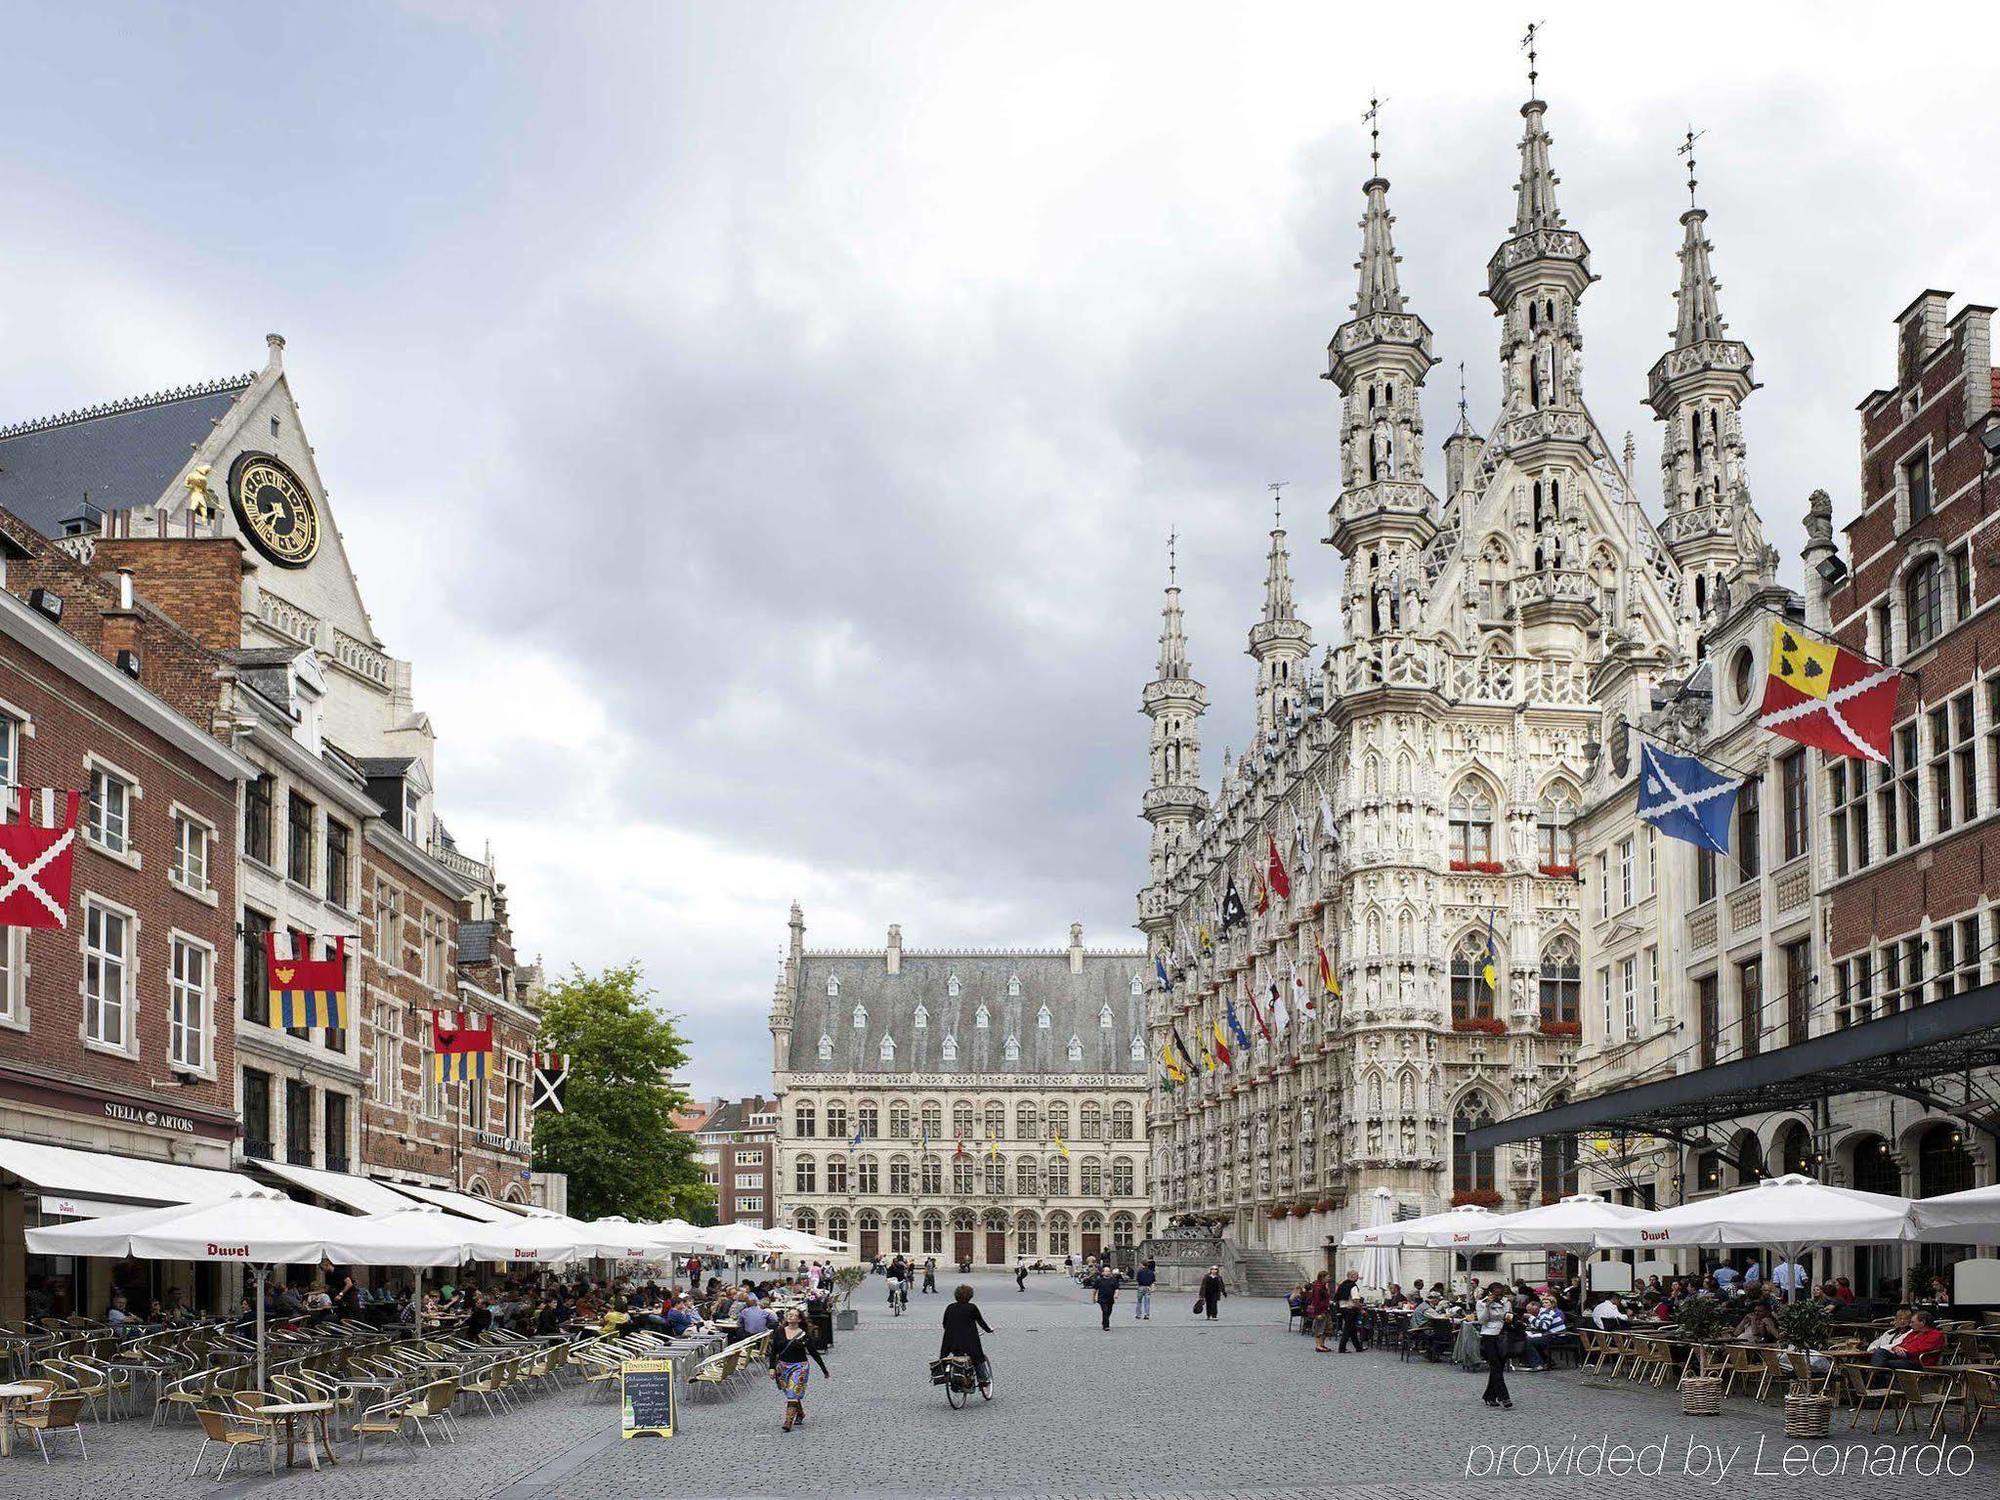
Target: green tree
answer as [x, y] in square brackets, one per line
[615, 1139]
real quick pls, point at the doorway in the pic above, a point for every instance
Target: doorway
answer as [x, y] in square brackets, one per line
[961, 1246]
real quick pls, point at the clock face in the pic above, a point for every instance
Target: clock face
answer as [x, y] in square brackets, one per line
[274, 510]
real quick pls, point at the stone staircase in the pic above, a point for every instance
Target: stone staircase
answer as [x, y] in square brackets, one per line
[1263, 1274]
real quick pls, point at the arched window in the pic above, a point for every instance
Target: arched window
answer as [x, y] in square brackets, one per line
[931, 1228]
[1471, 1171]
[1556, 843]
[1121, 1121]
[1090, 1120]
[1471, 997]
[949, 1052]
[962, 1119]
[1562, 983]
[899, 1176]
[899, 1234]
[1058, 1233]
[932, 1175]
[1027, 1122]
[1943, 1163]
[1043, 1019]
[933, 1118]
[1123, 1229]
[805, 1120]
[868, 1120]
[996, 1178]
[1024, 1177]
[1026, 1236]
[1795, 1151]
[1471, 823]
[805, 1175]
[1708, 1172]
[899, 1119]
[1058, 1121]
[1558, 1167]
[1875, 1168]
[1058, 1177]
[836, 1226]
[961, 1177]
[805, 1221]
[1122, 1177]
[836, 1120]
[866, 1178]
[1923, 603]
[836, 1174]
[996, 1119]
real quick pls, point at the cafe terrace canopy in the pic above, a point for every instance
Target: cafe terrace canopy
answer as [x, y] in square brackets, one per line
[1972, 1216]
[1570, 1223]
[1454, 1229]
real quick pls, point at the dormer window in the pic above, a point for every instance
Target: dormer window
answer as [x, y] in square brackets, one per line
[1013, 1048]
[922, 1019]
[1138, 986]
[860, 1018]
[833, 986]
[979, 1017]
[1138, 1048]
[950, 1051]
[825, 1048]
[888, 1049]
[951, 985]
[1104, 1017]
[1014, 986]
[1043, 1019]
[1076, 1049]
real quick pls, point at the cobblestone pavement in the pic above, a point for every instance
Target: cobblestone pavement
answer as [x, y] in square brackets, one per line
[1174, 1407]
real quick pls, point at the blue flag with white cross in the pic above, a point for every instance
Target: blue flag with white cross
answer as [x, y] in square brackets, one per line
[1683, 798]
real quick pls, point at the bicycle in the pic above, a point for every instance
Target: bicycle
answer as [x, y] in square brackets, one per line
[960, 1378]
[899, 1297]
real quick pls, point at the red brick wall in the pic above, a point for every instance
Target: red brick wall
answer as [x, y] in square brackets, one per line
[195, 581]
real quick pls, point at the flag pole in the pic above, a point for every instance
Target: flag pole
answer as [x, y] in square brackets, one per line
[1665, 744]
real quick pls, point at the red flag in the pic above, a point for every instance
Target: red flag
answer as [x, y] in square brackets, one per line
[35, 868]
[452, 1033]
[1260, 891]
[1281, 883]
[1820, 695]
[959, 1154]
[1257, 1011]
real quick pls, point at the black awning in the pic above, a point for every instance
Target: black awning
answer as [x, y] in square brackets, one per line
[1924, 1054]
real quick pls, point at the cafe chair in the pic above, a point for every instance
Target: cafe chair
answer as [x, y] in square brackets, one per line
[1924, 1391]
[55, 1416]
[220, 1427]
[1863, 1392]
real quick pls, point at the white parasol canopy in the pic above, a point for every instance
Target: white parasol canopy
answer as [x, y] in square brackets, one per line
[1970, 1216]
[1455, 1229]
[1568, 1224]
[1378, 1265]
[548, 1242]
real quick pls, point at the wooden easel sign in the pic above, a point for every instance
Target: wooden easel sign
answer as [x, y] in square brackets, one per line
[648, 1389]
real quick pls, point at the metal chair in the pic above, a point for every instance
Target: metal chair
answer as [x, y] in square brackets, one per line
[54, 1416]
[220, 1427]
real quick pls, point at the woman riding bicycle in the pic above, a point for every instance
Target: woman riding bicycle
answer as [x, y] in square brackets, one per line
[962, 1325]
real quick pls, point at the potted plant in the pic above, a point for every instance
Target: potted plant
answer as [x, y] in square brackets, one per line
[1475, 1198]
[845, 1280]
[1702, 1319]
[1484, 1025]
[1302, 1207]
[1323, 1206]
[1562, 1028]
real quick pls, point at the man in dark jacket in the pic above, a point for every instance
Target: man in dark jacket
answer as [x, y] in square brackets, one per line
[1143, 1305]
[1106, 1286]
[1347, 1305]
[1211, 1292]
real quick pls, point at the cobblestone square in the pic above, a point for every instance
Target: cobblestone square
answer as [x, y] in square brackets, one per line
[1175, 1406]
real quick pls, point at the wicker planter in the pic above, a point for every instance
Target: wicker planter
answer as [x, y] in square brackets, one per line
[1807, 1415]
[1701, 1395]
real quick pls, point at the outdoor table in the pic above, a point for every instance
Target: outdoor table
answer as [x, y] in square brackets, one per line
[8, 1395]
[291, 1411]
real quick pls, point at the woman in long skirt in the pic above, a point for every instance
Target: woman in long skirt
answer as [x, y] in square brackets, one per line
[790, 1351]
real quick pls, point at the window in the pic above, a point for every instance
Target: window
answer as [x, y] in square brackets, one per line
[1024, 1177]
[866, 1178]
[833, 986]
[951, 983]
[11, 957]
[899, 1176]
[107, 966]
[1556, 843]
[1923, 603]
[298, 1122]
[10, 750]
[1625, 874]
[187, 1006]
[860, 1018]
[257, 1113]
[980, 1018]
[1137, 1051]
[334, 1131]
[1957, 946]
[1961, 583]
[899, 1119]
[1652, 839]
[1058, 1122]
[963, 1176]
[250, 968]
[1993, 735]
[749, 1205]
[1561, 983]
[257, 820]
[1470, 998]
[962, 1120]
[1043, 1019]
[1090, 1121]
[436, 970]
[922, 1019]
[1122, 1177]
[339, 862]
[1075, 1049]
[389, 925]
[933, 1175]
[1708, 1012]
[825, 1048]
[1704, 875]
[190, 861]
[1793, 803]
[933, 1119]
[1104, 1018]
[298, 839]
[1798, 990]
[515, 1103]
[109, 825]
[868, 1118]
[1954, 769]
[805, 1175]
[1881, 625]
[1855, 1003]
[1014, 986]
[836, 1121]
[1090, 1177]
[887, 1050]
[949, 1052]
[1027, 1122]
[1057, 1177]
[1013, 1048]
[1748, 846]
[1847, 791]
[1604, 887]
[836, 1174]
[1121, 1122]
[1628, 987]
[1471, 824]
[1653, 983]
[1750, 993]
[1903, 974]
[933, 1234]
[1471, 1171]
[1604, 994]
[1917, 486]
[386, 1074]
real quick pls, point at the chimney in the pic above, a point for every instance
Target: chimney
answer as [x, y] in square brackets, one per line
[1972, 329]
[1076, 947]
[275, 342]
[893, 954]
[120, 641]
[1919, 330]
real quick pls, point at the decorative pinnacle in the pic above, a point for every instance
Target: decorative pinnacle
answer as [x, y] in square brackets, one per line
[1373, 115]
[1173, 565]
[1686, 148]
[1528, 43]
[1464, 420]
[1277, 489]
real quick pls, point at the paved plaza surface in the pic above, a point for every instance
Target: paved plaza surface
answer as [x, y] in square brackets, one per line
[1172, 1407]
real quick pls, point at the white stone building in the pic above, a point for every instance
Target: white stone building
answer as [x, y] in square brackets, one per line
[973, 1105]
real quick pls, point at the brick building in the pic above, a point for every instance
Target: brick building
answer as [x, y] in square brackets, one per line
[739, 1157]
[117, 1035]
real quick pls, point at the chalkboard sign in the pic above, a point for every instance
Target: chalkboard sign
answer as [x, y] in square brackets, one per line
[648, 1386]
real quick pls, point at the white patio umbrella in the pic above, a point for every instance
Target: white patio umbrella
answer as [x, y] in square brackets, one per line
[1790, 1214]
[549, 1242]
[260, 1228]
[1378, 1264]
[1970, 1216]
[1569, 1224]
[1460, 1230]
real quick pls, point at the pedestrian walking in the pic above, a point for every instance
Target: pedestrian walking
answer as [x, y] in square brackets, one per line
[1142, 1304]
[930, 1273]
[1495, 1315]
[1319, 1304]
[790, 1350]
[1020, 1276]
[1347, 1303]
[1210, 1293]
[1106, 1286]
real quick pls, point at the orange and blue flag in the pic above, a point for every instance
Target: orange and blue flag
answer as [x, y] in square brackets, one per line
[307, 994]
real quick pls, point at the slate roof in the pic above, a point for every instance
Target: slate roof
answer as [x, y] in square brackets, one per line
[1075, 1002]
[475, 942]
[122, 454]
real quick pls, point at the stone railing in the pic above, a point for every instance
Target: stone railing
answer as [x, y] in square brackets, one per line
[1359, 666]
[1395, 496]
[1544, 426]
[1552, 586]
[1746, 906]
[1706, 520]
[462, 867]
[1791, 887]
[360, 658]
[287, 618]
[1701, 928]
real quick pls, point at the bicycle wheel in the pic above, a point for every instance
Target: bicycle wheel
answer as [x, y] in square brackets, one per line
[986, 1390]
[955, 1393]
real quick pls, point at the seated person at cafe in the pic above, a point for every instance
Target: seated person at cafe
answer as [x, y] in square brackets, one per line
[118, 1316]
[616, 1318]
[1759, 1325]
[1914, 1343]
[753, 1320]
[1547, 1328]
[1432, 1326]
[1609, 1312]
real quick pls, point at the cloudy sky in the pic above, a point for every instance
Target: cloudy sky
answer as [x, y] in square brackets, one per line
[761, 424]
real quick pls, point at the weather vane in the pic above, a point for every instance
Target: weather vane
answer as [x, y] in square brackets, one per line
[1173, 563]
[1686, 148]
[1528, 45]
[1277, 489]
[1461, 394]
[1373, 115]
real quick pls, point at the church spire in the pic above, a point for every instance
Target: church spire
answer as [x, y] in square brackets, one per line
[1174, 802]
[1278, 571]
[1173, 662]
[1379, 291]
[1535, 194]
[1281, 642]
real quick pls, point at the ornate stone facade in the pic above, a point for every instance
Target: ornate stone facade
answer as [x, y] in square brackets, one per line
[1418, 785]
[981, 1105]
